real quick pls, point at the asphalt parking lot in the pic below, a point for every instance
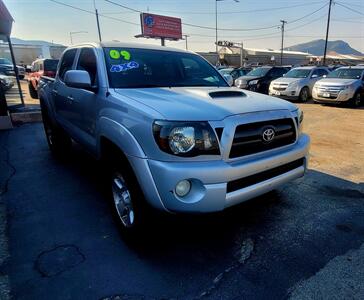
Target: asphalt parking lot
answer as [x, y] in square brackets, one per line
[303, 241]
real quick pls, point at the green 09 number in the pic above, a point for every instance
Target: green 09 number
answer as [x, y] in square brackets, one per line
[115, 54]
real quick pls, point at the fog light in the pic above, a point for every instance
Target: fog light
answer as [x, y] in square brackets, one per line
[183, 188]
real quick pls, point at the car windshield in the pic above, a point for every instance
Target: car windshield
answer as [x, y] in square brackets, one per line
[146, 68]
[50, 65]
[298, 73]
[346, 73]
[258, 72]
[225, 71]
[5, 61]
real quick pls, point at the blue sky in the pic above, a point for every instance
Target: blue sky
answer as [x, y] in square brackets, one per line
[46, 20]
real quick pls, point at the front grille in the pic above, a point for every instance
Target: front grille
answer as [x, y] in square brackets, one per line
[248, 138]
[332, 90]
[280, 87]
[262, 176]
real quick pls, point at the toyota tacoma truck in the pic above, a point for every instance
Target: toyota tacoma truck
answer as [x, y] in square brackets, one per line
[177, 138]
[343, 85]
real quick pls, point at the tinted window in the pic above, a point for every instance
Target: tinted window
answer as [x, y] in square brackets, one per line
[277, 72]
[322, 72]
[259, 72]
[50, 65]
[87, 62]
[132, 68]
[4, 61]
[67, 62]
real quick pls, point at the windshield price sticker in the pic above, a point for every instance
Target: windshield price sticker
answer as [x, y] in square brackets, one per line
[115, 54]
[124, 67]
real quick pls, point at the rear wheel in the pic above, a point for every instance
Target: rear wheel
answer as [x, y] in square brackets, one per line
[58, 141]
[32, 91]
[304, 94]
[356, 100]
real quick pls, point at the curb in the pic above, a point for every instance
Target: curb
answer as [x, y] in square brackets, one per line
[26, 117]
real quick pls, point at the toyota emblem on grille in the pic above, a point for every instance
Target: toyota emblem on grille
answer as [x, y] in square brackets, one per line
[268, 135]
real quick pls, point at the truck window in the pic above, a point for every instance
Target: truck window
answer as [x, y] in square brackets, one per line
[87, 62]
[67, 62]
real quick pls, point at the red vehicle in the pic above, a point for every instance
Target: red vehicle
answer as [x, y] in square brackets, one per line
[40, 67]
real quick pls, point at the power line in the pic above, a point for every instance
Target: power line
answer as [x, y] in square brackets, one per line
[93, 13]
[231, 12]
[309, 14]
[349, 8]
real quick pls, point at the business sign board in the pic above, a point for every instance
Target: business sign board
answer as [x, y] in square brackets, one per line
[156, 26]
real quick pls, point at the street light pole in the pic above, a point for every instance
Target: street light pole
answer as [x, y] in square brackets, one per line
[186, 36]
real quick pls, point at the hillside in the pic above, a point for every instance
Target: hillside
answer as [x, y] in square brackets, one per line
[32, 42]
[317, 47]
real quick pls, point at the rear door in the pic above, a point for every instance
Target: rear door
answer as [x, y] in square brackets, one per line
[61, 92]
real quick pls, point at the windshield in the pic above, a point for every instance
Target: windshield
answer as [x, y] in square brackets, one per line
[346, 73]
[4, 61]
[225, 71]
[298, 73]
[258, 72]
[143, 68]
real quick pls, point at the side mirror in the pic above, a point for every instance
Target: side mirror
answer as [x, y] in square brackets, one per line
[229, 79]
[78, 79]
[284, 75]
[314, 76]
[324, 76]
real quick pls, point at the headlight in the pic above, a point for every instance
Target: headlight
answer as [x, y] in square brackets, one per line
[293, 85]
[186, 138]
[345, 87]
[253, 82]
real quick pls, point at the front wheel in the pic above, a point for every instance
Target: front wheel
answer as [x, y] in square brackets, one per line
[356, 100]
[32, 91]
[304, 94]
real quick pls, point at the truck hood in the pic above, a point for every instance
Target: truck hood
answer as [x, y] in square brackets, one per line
[203, 103]
[336, 81]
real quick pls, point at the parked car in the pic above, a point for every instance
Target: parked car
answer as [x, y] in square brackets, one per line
[40, 67]
[235, 72]
[7, 68]
[343, 85]
[259, 79]
[6, 82]
[173, 133]
[297, 84]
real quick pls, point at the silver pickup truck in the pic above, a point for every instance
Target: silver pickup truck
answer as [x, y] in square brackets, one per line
[176, 136]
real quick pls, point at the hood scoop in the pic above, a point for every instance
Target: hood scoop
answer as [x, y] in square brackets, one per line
[226, 94]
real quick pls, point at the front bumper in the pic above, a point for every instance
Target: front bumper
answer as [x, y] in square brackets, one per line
[209, 192]
[342, 96]
[288, 93]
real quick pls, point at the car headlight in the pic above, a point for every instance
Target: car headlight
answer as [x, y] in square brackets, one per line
[186, 138]
[345, 87]
[293, 85]
[253, 82]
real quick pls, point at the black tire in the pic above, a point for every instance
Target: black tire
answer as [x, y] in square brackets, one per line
[304, 94]
[58, 141]
[32, 92]
[125, 187]
[356, 100]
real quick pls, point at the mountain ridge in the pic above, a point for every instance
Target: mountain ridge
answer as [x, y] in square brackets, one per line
[316, 47]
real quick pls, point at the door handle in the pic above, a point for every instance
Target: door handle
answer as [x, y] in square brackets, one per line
[70, 98]
[55, 92]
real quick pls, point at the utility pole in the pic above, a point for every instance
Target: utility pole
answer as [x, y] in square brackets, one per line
[241, 54]
[282, 30]
[186, 36]
[327, 32]
[97, 21]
